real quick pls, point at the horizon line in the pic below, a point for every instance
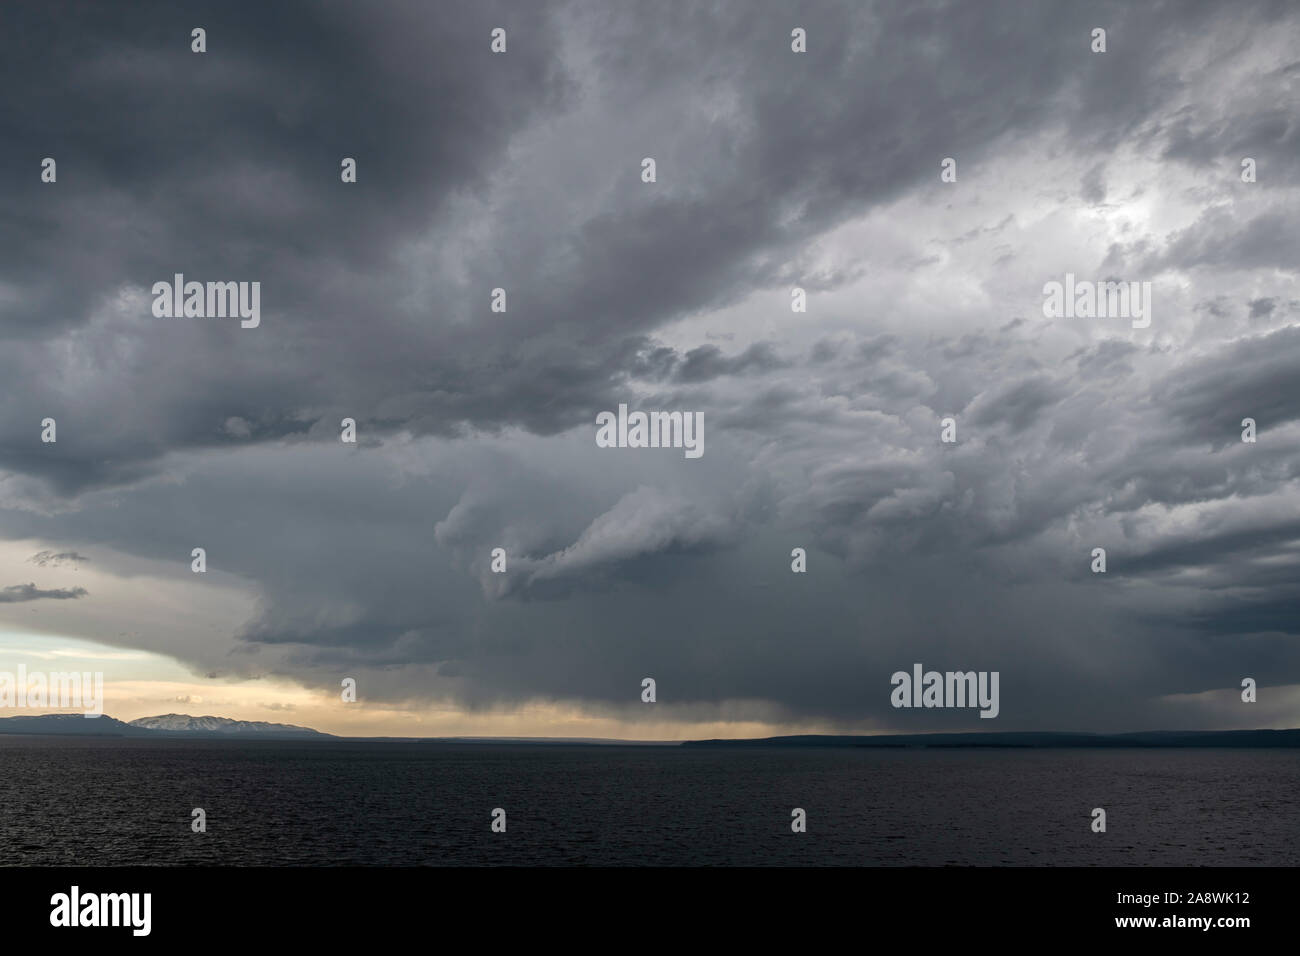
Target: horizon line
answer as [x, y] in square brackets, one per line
[299, 732]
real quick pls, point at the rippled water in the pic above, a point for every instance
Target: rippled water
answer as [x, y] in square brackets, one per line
[102, 802]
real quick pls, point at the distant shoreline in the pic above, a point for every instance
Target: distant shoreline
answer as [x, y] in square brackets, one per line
[1029, 740]
[75, 725]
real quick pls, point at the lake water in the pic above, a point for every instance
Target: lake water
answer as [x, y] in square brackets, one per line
[112, 802]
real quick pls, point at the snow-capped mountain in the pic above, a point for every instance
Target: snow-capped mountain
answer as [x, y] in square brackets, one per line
[185, 724]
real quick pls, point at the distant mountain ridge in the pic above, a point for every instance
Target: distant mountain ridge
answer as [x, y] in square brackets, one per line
[164, 725]
[70, 724]
[184, 723]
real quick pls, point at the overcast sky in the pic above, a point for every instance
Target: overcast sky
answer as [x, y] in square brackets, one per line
[476, 429]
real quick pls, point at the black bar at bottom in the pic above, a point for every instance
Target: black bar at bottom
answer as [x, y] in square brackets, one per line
[640, 906]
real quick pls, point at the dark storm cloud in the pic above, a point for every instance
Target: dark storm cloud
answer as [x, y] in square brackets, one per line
[1219, 240]
[30, 592]
[229, 160]
[1265, 131]
[1252, 378]
[522, 172]
[706, 362]
[46, 559]
[229, 169]
[1018, 405]
[1262, 307]
[226, 165]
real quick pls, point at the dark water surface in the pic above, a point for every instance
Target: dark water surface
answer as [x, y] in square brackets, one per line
[113, 802]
